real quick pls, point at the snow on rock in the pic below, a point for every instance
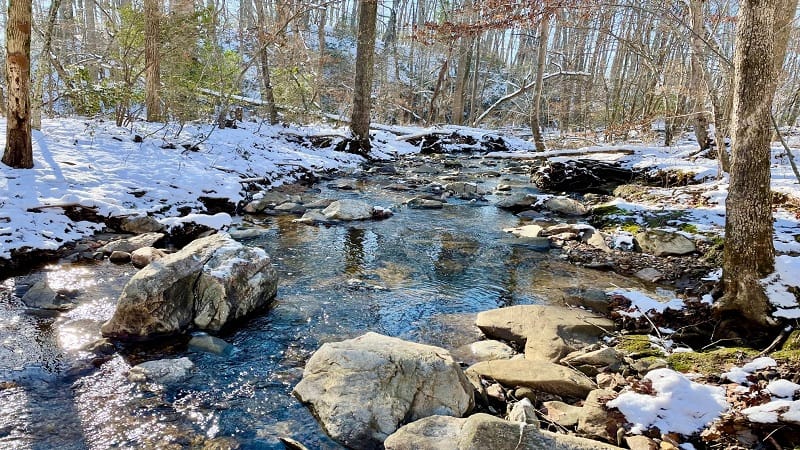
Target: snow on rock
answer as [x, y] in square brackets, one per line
[679, 404]
[642, 303]
[217, 221]
[778, 285]
[782, 388]
[739, 374]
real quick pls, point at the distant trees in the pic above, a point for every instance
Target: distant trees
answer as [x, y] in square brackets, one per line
[18, 152]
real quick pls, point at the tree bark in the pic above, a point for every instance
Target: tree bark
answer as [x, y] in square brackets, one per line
[544, 32]
[19, 151]
[152, 60]
[698, 82]
[263, 57]
[749, 254]
[362, 88]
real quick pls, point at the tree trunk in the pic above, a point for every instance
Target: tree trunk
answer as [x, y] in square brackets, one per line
[362, 87]
[267, 95]
[544, 32]
[152, 60]
[462, 77]
[19, 151]
[698, 82]
[44, 65]
[749, 254]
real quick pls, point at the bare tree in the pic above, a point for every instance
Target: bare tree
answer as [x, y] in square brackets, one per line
[152, 60]
[362, 87]
[19, 151]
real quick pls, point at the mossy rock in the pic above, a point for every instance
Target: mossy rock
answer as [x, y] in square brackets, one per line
[637, 346]
[792, 342]
[710, 363]
[789, 356]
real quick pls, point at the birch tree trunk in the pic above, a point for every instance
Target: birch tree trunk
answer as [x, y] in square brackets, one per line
[19, 151]
[749, 254]
[362, 87]
[544, 32]
[152, 60]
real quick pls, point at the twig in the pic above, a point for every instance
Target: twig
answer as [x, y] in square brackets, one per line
[780, 338]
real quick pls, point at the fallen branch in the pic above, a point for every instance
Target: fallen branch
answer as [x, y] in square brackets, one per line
[62, 206]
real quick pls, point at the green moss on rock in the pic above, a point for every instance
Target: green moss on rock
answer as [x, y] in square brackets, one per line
[792, 342]
[710, 363]
[637, 346]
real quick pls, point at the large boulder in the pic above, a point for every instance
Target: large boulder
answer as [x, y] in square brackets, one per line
[363, 389]
[663, 243]
[481, 432]
[540, 376]
[211, 282]
[547, 332]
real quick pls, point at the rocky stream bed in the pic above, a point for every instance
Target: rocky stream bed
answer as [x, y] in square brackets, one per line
[376, 307]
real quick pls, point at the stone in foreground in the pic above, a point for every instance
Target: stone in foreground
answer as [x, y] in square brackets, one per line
[540, 376]
[482, 432]
[664, 243]
[363, 389]
[211, 282]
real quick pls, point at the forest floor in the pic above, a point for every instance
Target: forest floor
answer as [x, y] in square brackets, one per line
[88, 168]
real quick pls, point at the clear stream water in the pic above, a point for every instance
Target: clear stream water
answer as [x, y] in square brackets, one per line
[420, 275]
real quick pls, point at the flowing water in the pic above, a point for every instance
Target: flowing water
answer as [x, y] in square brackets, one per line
[419, 275]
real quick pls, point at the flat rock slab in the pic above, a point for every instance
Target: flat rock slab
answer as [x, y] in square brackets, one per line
[363, 389]
[537, 375]
[483, 432]
[133, 243]
[548, 332]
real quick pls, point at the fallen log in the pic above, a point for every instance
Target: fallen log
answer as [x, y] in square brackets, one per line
[581, 175]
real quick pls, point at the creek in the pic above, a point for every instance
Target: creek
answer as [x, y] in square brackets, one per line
[420, 275]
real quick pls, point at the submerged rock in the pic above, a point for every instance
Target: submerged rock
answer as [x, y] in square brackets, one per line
[42, 296]
[482, 431]
[212, 281]
[363, 389]
[162, 371]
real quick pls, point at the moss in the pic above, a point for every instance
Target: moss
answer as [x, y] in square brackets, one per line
[790, 356]
[688, 228]
[630, 227]
[710, 363]
[608, 210]
[637, 346]
[792, 342]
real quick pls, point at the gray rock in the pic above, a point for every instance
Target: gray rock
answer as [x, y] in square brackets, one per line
[607, 356]
[523, 412]
[649, 274]
[483, 351]
[246, 233]
[595, 420]
[348, 209]
[269, 199]
[663, 243]
[566, 206]
[538, 375]
[321, 203]
[562, 413]
[424, 203]
[548, 332]
[145, 255]
[518, 202]
[483, 432]
[464, 190]
[42, 296]
[119, 257]
[596, 239]
[344, 185]
[526, 231]
[133, 243]
[311, 217]
[290, 207]
[424, 169]
[141, 224]
[204, 342]
[162, 371]
[210, 282]
[362, 389]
